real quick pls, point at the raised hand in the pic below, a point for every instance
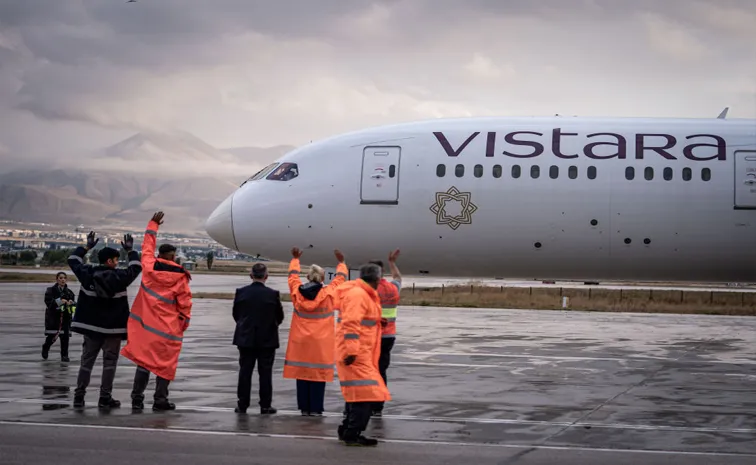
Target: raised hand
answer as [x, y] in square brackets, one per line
[158, 217]
[394, 255]
[91, 241]
[296, 252]
[339, 256]
[127, 243]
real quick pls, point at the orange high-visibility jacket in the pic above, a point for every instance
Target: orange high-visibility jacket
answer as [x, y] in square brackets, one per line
[160, 313]
[310, 351]
[359, 333]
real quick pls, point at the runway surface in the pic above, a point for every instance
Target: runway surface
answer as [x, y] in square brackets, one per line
[495, 386]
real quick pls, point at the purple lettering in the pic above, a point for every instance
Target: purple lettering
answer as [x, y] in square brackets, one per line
[556, 142]
[537, 146]
[491, 144]
[621, 145]
[447, 146]
[640, 146]
[721, 146]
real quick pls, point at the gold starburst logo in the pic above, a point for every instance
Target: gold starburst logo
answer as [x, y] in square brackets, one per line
[453, 208]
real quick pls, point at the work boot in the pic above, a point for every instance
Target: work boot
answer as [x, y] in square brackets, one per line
[64, 358]
[45, 351]
[137, 405]
[108, 403]
[340, 431]
[163, 406]
[360, 441]
[267, 411]
[78, 402]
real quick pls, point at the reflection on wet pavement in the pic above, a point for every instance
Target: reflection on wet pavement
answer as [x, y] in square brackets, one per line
[467, 376]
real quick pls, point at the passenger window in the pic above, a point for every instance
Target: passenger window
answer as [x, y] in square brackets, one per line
[554, 172]
[516, 171]
[629, 173]
[648, 173]
[706, 174]
[459, 170]
[497, 171]
[478, 171]
[572, 172]
[591, 172]
[260, 174]
[667, 174]
[441, 171]
[392, 171]
[285, 172]
[535, 171]
[687, 174]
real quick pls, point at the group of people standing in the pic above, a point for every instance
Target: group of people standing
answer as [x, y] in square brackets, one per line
[357, 344]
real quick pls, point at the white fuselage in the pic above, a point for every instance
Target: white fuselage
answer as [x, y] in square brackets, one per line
[514, 198]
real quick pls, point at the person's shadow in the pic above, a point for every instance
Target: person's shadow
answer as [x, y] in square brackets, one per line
[55, 388]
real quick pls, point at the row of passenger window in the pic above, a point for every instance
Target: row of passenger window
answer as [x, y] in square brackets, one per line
[572, 172]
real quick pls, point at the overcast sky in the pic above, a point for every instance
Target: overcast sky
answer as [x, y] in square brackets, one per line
[80, 74]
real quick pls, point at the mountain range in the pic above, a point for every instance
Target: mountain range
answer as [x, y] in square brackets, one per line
[122, 185]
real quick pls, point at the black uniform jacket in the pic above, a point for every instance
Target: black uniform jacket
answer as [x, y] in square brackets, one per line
[258, 314]
[55, 318]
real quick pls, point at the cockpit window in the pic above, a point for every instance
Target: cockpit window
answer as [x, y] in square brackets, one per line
[261, 174]
[285, 172]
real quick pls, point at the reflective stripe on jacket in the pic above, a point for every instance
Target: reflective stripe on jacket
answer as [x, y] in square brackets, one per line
[310, 350]
[388, 291]
[160, 313]
[359, 333]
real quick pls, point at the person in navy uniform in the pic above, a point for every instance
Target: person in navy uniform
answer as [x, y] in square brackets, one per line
[59, 300]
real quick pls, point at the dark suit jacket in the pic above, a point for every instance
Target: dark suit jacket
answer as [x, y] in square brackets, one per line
[258, 313]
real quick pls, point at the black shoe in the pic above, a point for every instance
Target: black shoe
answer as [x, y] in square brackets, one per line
[163, 406]
[45, 352]
[137, 405]
[108, 403]
[360, 441]
[305, 413]
[78, 402]
[377, 413]
[267, 411]
[240, 410]
[316, 414]
[64, 358]
[340, 432]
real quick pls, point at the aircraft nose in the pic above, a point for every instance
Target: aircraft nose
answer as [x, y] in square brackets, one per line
[220, 223]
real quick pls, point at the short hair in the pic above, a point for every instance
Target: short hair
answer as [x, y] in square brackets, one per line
[60, 273]
[259, 270]
[316, 274]
[166, 248]
[370, 273]
[377, 262]
[106, 253]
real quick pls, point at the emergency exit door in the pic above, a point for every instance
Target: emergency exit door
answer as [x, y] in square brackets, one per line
[745, 179]
[380, 175]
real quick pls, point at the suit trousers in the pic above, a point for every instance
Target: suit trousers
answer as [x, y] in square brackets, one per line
[310, 395]
[264, 358]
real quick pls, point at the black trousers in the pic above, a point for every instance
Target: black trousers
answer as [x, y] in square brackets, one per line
[384, 361]
[111, 347]
[264, 358]
[50, 340]
[356, 419]
[310, 395]
[141, 378]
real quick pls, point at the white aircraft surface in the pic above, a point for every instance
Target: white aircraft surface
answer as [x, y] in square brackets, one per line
[648, 199]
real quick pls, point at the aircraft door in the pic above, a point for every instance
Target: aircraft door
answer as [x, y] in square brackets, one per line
[745, 179]
[380, 175]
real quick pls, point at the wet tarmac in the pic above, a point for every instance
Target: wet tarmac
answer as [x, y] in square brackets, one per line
[503, 386]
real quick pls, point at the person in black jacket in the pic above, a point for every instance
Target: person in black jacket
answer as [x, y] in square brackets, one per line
[258, 314]
[102, 313]
[59, 300]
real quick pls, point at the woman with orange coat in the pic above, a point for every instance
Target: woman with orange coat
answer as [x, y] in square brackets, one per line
[310, 350]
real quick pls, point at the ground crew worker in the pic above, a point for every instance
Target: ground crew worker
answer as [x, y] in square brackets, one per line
[389, 294]
[159, 317]
[358, 342]
[102, 313]
[59, 300]
[310, 352]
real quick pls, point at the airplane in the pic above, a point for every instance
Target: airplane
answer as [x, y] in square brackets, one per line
[564, 198]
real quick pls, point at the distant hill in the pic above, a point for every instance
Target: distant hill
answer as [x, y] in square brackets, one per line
[124, 183]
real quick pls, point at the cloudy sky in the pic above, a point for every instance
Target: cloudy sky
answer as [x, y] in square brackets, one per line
[80, 74]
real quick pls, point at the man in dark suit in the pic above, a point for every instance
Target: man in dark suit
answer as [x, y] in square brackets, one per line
[258, 314]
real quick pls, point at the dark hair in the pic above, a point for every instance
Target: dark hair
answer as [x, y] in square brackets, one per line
[259, 270]
[376, 262]
[60, 273]
[106, 253]
[370, 273]
[166, 248]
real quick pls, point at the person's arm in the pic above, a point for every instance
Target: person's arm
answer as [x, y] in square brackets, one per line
[236, 310]
[49, 300]
[294, 280]
[150, 240]
[184, 304]
[342, 272]
[396, 276]
[76, 259]
[352, 311]
[134, 267]
[279, 309]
